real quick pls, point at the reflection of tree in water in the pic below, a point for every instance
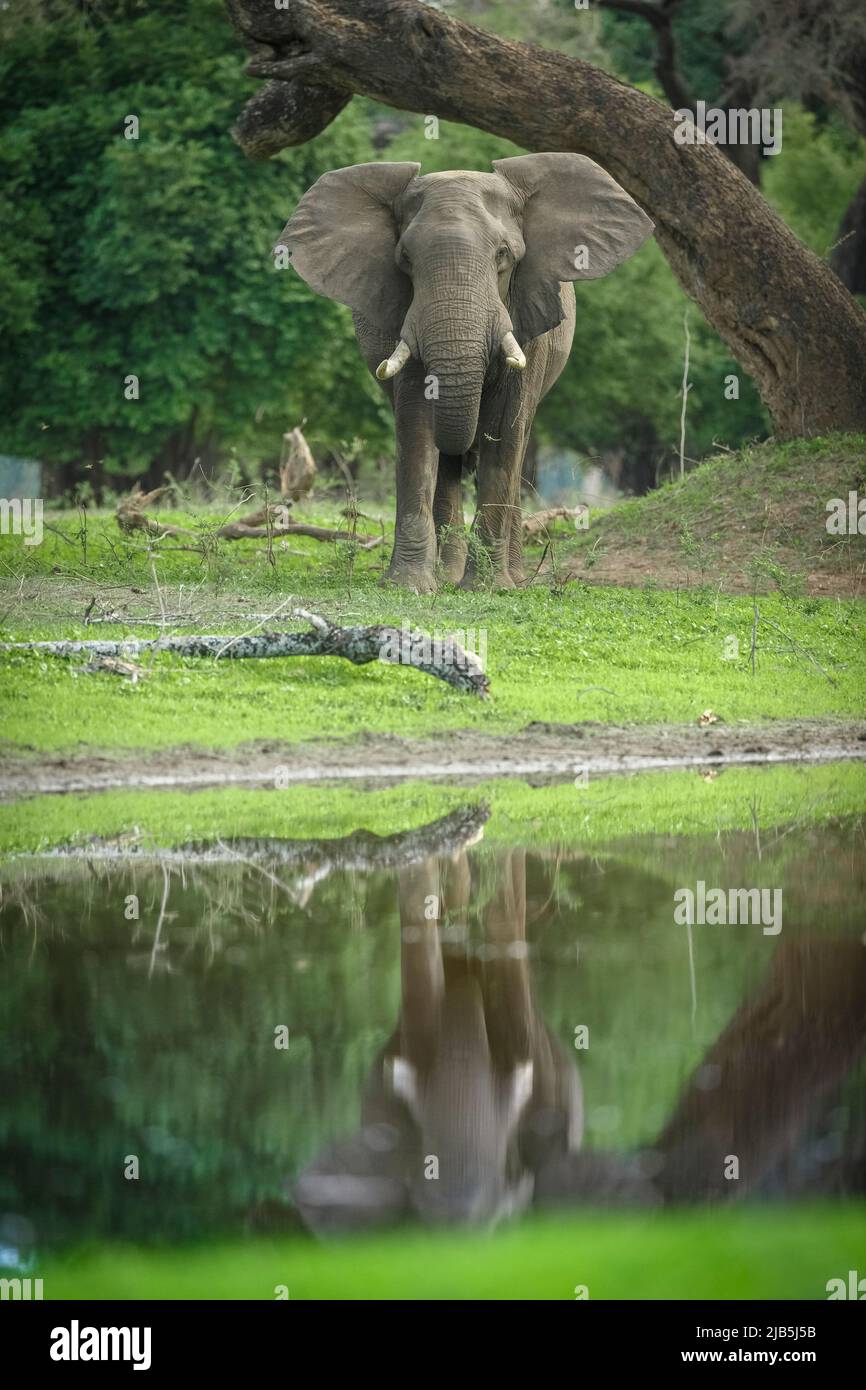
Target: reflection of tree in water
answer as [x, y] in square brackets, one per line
[115, 1047]
[473, 1110]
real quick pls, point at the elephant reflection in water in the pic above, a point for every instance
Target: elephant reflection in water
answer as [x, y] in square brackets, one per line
[473, 1110]
[472, 1095]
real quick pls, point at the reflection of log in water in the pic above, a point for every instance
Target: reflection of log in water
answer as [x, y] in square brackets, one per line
[362, 850]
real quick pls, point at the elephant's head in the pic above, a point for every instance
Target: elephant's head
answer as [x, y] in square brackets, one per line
[466, 1111]
[461, 270]
[453, 1136]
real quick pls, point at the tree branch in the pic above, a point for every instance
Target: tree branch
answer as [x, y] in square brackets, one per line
[783, 313]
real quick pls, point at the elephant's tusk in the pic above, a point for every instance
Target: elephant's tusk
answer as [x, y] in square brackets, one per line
[513, 353]
[395, 363]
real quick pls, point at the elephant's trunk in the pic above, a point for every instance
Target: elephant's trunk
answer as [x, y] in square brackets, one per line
[454, 320]
[460, 1115]
[455, 412]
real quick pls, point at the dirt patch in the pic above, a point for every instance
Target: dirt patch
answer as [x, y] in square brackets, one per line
[629, 568]
[755, 520]
[551, 752]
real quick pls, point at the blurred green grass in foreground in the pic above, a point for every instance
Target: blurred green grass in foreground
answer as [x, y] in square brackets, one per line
[750, 1253]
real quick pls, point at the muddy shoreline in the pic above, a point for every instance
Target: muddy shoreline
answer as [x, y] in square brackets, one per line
[550, 752]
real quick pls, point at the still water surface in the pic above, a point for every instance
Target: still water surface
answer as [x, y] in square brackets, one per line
[272, 1034]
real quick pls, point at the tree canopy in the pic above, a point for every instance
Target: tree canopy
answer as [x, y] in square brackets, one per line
[141, 248]
[151, 256]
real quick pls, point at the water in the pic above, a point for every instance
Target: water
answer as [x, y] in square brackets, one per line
[438, 1030]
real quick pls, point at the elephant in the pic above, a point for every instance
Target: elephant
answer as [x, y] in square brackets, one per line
[460, 289]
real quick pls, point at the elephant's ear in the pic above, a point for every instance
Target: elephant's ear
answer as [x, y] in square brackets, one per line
[578, 224]
[342, 238]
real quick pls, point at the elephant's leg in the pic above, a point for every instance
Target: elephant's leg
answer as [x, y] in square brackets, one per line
[515, 537]
[492, 527]
[448, 517]
[456, 880]
[545, 363]
[508, 995]
[413, 560]
[498, 503]
[419, 895]
[506, 417]
[543, 368]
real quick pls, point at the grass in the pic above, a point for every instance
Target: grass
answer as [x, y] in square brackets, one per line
[664, 803]
[618, 656]
[784, 1253]
[555, 654]
[558, 651]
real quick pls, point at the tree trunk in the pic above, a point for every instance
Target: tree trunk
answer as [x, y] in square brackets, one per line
[786, 317]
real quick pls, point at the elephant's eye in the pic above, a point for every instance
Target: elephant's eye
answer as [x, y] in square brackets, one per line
[502, 258]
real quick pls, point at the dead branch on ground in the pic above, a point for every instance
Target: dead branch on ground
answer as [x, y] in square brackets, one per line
[443, 658]
[536, 522]
[131, 514]
[272, 522]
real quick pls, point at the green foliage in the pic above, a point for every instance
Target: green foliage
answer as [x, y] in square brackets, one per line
[548, 23]
[702, 42]
[152, 256]
[626, 367]
[814, 155]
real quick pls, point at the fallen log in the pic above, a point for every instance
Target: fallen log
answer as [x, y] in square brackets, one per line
[256, 527]
[443, 658]
[535, 522]
[324, 533]
[268, 523]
